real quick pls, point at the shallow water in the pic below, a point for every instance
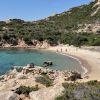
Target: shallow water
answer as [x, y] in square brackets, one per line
[21, 57]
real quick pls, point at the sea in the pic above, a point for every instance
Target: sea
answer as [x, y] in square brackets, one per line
[21, 57]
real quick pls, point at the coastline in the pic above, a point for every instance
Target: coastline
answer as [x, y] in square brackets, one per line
[88, 59]
[65, 54]
[86, 70]
[71, 56]
[82, 62]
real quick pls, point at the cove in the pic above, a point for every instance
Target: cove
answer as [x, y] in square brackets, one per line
[22, 57]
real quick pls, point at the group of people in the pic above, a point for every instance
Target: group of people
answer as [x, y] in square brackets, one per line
[61, 50]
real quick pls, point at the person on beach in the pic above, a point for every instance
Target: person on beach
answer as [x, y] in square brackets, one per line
[57, 50]
[61, 49]
[66, 50]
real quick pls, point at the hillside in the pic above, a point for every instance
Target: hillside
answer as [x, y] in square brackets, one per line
[78, 26]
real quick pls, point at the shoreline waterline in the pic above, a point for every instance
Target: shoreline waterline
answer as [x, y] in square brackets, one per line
[86, 70]
[77, 59]
[43, 49]
[85, 64]
[62, 62]
[90, 60]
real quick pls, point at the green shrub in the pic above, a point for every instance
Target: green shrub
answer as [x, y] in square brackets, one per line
[23, 77]
[26, 90]
[94, 82]
[45, 80]
[81, 91]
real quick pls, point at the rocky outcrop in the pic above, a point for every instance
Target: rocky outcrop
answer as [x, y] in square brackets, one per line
[6, 45]
[47, 93]
[97, 5]
[89, 28]
[8, 95]
[40, 44]
[45, 44]
[21, 43]
[27, 77]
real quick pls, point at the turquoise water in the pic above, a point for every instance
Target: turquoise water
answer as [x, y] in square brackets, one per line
[21, 57]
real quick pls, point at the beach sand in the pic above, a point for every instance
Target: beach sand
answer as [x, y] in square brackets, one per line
[90, 60]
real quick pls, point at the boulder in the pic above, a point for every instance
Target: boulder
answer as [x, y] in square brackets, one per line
[74, 76]
[31, 65]
[8, 95]
[48, 63]
[47, 93]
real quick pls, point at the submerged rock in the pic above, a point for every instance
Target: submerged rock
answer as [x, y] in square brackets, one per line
[48, 63]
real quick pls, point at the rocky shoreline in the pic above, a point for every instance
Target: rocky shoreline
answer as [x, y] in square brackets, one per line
[27, 77]
[48, 82]
[21, 44]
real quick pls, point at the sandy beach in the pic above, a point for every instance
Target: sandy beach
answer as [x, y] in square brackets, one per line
[90, 60]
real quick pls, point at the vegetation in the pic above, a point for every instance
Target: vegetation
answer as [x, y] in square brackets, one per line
[19, 69]
[81, 91]
[57, 28]
[45, 80]
[26, 90]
